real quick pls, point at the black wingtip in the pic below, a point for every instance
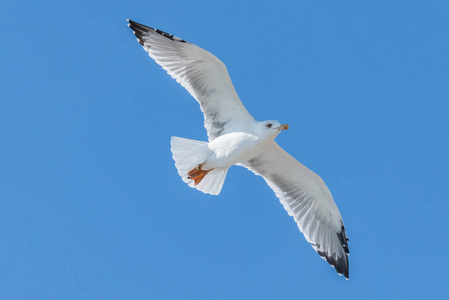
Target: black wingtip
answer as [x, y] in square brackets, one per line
[343, 239]
[137, 26]
[341, 264]
[140, 30]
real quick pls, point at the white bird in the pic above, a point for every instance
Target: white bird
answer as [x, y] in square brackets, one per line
[236, 138]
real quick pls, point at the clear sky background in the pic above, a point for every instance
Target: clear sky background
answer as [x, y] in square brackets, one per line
[92, 207]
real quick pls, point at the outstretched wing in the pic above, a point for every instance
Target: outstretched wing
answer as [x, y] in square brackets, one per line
[201, 73]
[306, 197]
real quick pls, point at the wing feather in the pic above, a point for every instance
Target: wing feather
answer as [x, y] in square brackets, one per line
[307, 199]
[203, 75]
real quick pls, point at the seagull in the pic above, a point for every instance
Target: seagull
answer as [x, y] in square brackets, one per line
[236, 138]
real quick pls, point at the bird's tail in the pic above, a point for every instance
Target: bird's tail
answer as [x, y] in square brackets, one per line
[190, 153]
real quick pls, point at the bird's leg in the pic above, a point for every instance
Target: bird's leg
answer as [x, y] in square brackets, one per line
[197, 174]
[199, 166]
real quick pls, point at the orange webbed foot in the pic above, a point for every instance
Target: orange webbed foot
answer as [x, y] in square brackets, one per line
[197, 174]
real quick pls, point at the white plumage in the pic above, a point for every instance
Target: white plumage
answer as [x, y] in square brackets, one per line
[236, 138]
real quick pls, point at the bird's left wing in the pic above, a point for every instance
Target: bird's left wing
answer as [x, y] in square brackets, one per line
[306, 197]
[201, 73]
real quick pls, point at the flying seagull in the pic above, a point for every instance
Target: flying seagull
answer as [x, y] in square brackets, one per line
[236, 138]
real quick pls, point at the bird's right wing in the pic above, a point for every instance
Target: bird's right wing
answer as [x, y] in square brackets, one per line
[306, 197]
[201, 73]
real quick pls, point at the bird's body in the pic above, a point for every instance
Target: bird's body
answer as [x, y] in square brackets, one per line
[236, 147]
[195, 160]
[233, 148]
[236, 138]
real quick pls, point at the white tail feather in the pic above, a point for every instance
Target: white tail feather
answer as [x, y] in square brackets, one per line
[188, 154]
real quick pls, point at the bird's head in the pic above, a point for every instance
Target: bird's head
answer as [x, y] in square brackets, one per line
[272, 127]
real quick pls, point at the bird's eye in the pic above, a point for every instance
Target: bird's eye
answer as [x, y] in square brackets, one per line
[269, 125]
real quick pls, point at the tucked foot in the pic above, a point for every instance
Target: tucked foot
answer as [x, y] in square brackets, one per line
[197, 174]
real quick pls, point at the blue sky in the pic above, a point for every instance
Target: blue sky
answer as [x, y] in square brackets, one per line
[91, 206]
